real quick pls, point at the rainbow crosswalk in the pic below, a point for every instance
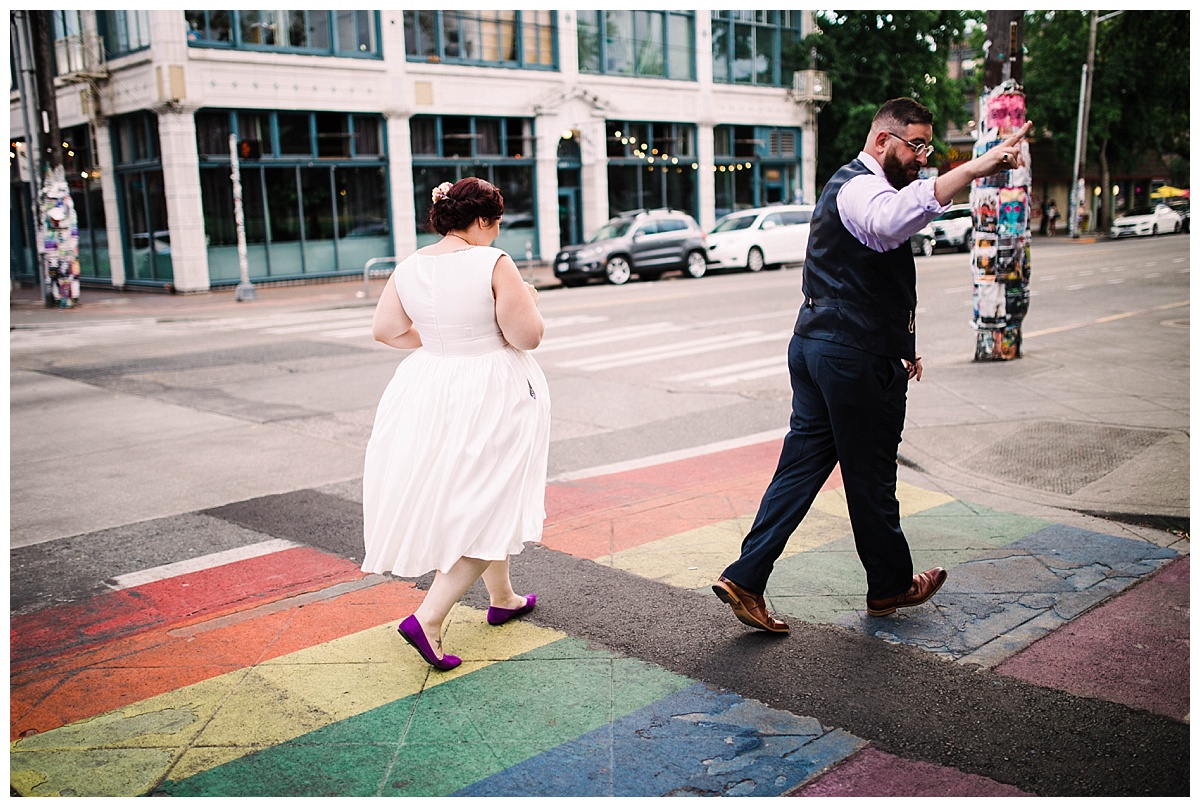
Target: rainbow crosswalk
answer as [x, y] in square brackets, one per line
[281, 674]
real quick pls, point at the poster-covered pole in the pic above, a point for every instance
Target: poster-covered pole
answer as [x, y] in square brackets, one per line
[1000, 249]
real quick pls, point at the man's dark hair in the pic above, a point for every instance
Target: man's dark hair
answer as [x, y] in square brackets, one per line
[901, 112]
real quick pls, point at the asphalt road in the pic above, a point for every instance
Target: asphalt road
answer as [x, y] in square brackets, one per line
[153, 416]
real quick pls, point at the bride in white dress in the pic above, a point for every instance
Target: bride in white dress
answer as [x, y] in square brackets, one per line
[455, 473]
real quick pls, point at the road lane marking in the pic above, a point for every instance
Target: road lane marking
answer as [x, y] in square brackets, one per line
[201, 563]
[671, 456]
[1103, 320]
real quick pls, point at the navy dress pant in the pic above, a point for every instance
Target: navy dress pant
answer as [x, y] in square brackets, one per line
[848, 407]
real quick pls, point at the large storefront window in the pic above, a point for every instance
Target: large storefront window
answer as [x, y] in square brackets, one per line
[500, 150]
[315, 204]
[142, 199]
[84, 178]
[754, 47]
[524, 39]
[754, 166]
[651, 165]
[638, 43]
[324, 33]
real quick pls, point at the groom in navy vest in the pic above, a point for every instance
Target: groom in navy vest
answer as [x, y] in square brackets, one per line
[851, 358]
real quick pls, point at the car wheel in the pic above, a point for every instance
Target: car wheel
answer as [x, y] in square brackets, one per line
[927, 247]
[754, 260]
[965, 246]
[696, 264]
[617, 271]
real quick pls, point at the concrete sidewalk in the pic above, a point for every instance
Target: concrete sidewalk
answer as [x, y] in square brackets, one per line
[98, 304]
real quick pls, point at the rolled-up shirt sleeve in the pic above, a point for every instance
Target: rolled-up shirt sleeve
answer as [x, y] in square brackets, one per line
[880, 216]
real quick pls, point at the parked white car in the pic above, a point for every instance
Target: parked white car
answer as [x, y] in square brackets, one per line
[922, 241]
[953, 228]
[1149, 220]
[761, 237]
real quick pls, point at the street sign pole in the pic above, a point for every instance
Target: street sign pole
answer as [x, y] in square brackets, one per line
[245, 289]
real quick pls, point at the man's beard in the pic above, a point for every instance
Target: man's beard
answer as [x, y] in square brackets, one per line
[899, 174]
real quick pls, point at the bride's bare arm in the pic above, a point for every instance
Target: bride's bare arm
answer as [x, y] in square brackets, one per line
[516, 306]
[391, 323]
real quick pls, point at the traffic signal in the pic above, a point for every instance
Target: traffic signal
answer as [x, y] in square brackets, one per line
[249, 150]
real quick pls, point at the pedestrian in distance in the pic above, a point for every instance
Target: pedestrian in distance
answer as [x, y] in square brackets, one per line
[454, 478]
[851, 356]
[1051, 217]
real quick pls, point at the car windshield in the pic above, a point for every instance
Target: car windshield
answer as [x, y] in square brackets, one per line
[614, 229]
[1140, 211]
[731, 223]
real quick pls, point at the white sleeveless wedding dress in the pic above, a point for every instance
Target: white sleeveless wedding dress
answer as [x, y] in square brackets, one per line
[456, 463]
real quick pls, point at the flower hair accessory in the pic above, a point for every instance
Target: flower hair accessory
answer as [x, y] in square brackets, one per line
[440, 192]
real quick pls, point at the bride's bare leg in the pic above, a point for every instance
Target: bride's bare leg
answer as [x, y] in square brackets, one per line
[447, 589]
[499, 586]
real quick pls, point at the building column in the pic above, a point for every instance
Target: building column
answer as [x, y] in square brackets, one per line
[405, 223]
[545, 171]
[112, 211]
[185, 211]
[594, 173]
[706, 183]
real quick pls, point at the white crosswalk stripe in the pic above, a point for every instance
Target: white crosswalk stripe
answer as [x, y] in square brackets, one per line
[324, 320]
[671, 351]
[602, 337]
[733, 373]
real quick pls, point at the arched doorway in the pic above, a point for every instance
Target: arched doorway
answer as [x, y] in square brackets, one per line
[570, 190]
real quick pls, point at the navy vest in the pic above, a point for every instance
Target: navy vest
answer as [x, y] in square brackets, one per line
[854, 295]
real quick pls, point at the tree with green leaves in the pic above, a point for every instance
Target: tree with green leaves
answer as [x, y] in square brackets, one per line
[1140, 88]
[874, 56]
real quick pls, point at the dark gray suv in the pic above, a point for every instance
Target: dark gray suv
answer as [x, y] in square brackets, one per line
[641, 242]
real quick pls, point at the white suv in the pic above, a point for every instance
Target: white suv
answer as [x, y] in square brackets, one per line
[953, 228]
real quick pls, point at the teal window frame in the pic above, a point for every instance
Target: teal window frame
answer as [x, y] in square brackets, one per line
[283, 257]
[203, 24]
[771, 34]
[430, 36]
[123, 32]
[501, 150]
[601, 39]
[79, 165]
[744, 156]
[137, 166]
[658, 150]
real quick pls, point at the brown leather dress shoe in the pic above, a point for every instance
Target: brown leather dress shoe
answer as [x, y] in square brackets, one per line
[924, 586]
[748, 607]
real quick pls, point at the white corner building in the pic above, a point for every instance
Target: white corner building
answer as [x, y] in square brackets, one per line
[345, 120]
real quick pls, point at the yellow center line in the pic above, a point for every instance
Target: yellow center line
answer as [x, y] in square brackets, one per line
[1103, 320]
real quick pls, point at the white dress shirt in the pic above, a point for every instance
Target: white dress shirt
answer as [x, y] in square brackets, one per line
[880, 216]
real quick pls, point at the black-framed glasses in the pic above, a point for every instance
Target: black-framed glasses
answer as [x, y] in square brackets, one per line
[920, 149]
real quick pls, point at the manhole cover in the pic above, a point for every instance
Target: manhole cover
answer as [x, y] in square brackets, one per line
[1062, 457]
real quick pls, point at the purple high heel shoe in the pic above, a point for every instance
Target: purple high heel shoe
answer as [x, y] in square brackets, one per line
[498, 616]
[412, 632]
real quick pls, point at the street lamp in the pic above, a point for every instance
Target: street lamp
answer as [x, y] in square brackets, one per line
[1085, 103]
